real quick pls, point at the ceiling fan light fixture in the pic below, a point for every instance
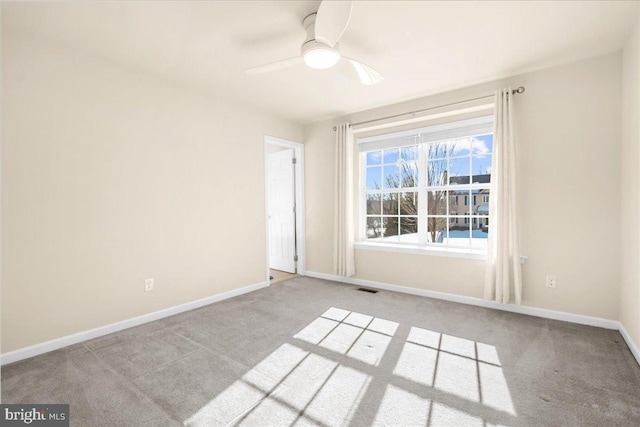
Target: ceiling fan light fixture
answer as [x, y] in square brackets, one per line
[319, 56]
[320, 49]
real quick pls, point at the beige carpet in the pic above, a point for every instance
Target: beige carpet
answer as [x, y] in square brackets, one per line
[314, 352]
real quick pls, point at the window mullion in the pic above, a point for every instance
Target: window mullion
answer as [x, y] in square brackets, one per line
[422, 193]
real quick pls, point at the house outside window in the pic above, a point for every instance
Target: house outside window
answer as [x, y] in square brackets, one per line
[417, 186]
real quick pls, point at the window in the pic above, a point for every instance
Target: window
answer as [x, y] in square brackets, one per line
[391, 194]
[428, 187]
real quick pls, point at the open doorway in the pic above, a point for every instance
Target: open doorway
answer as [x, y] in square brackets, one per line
[284, 208]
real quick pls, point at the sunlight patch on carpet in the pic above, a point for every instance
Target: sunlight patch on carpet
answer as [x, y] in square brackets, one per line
[402, 408]
[294, 386]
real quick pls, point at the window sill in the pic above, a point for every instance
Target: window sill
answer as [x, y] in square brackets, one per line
[421, 250]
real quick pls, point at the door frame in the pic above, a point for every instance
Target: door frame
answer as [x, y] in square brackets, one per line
[298, 150]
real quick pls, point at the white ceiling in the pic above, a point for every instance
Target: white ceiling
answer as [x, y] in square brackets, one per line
[419, 47]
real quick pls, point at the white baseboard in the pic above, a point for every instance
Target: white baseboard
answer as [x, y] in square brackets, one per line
[632, 345]
[531, 311]
[68, 340]
[45, 347]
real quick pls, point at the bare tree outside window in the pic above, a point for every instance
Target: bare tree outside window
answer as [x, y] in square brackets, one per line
[437, 175]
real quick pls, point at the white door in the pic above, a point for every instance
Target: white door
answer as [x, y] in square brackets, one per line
[282, 224]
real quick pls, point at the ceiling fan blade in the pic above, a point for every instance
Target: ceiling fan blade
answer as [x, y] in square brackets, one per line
[331, 21]
[367, 75]
[274, 65]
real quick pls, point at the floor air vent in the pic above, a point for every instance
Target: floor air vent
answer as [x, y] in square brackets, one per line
[371, 291]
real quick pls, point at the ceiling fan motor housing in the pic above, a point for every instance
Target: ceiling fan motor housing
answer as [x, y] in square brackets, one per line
[317, 54]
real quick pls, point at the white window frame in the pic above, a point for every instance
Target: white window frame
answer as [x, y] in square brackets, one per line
[424, 136]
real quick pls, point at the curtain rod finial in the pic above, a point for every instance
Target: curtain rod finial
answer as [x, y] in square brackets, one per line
[336, 128]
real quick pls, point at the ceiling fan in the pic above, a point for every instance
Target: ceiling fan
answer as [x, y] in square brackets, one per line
[320, 49]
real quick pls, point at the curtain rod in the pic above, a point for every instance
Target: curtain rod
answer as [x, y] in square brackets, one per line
[514, 91]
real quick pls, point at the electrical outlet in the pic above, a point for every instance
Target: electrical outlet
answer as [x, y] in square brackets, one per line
[148, 285]
[551, 281]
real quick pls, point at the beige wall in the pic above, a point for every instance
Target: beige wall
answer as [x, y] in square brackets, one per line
[569, 156]
[630, 291]
[109, 177]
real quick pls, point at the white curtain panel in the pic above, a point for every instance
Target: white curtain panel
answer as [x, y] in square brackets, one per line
[503, 272]
[343, 256]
